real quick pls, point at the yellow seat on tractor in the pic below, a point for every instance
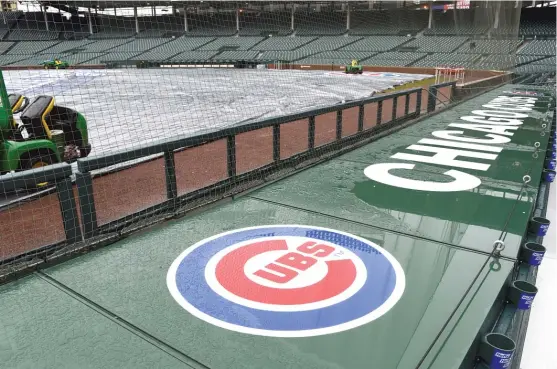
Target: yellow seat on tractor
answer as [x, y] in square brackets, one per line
[18, 103]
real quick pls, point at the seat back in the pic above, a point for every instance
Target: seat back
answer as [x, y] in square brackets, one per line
[34, 117]
[16, 100]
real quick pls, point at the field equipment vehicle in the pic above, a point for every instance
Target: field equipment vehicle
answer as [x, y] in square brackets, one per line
[55, 63]
[354, 68]
[44, 133]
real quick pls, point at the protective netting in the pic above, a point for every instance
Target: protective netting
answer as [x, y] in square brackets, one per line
[161, 106]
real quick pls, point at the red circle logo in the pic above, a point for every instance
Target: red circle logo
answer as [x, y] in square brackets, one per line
[285, 272]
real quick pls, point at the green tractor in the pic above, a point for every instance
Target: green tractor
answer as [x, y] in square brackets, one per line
[55, 63]
[354, 68]
[44, 133]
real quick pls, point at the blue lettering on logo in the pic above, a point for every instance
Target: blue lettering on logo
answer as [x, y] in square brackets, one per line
[286, 281]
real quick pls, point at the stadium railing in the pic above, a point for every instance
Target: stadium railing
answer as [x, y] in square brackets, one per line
[188, 172]
[62, 208]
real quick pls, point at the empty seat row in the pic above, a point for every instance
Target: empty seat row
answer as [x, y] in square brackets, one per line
[330, 43]
[30, 34]
[481, 46]
[432, 44]
[30, 47]
[377, 43]
[447, 60]
[192, 56]
[142, 45]
[286, 55]
[538, 47]
[394, 58]
[240, 43]
[381, 22]
[284, 43]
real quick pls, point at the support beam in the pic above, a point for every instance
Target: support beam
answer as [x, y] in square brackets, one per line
[497, 13]
[292, 17]
[430, 21]
[136, 20]
[455, 20]
[185, 20]
[348, 16]
[90, 21]
[237, 20]
[43, 8]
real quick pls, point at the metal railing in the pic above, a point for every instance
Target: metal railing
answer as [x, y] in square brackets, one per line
[84, 225]
[59, 175]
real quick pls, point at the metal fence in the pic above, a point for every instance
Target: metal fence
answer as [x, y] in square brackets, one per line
[114, 191]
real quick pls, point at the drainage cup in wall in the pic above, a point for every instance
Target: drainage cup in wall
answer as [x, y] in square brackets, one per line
[532, 253]
[497, 350]
[538, 226]
[548, 175]
[550, 164]
[522, 293]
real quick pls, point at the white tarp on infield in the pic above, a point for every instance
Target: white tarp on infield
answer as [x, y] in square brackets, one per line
[131, 107]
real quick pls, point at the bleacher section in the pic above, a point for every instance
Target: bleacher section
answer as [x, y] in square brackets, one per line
[451, 24]
[289, 56]
[538, 66]
[447, 60]
[377, 43]
[191, 56]
[538, 47]
[140, 45]
[284, 43]
[503, 62]
[30, 47]
[176, 46]
[160, 26]
[394, 58]
[537, 23]
[31, 34]
[212, 25]
[376, 37]
[336, 57]
[236, 43]
[66, 47]
[396, 22]
[434, 44]
[265, 24]
[320, 24]
[475, 46]
[330, 43]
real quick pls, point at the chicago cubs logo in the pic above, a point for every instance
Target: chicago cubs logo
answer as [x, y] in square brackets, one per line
[286, 281]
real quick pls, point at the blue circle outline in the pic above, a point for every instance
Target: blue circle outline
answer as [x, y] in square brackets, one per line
[194, 289]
